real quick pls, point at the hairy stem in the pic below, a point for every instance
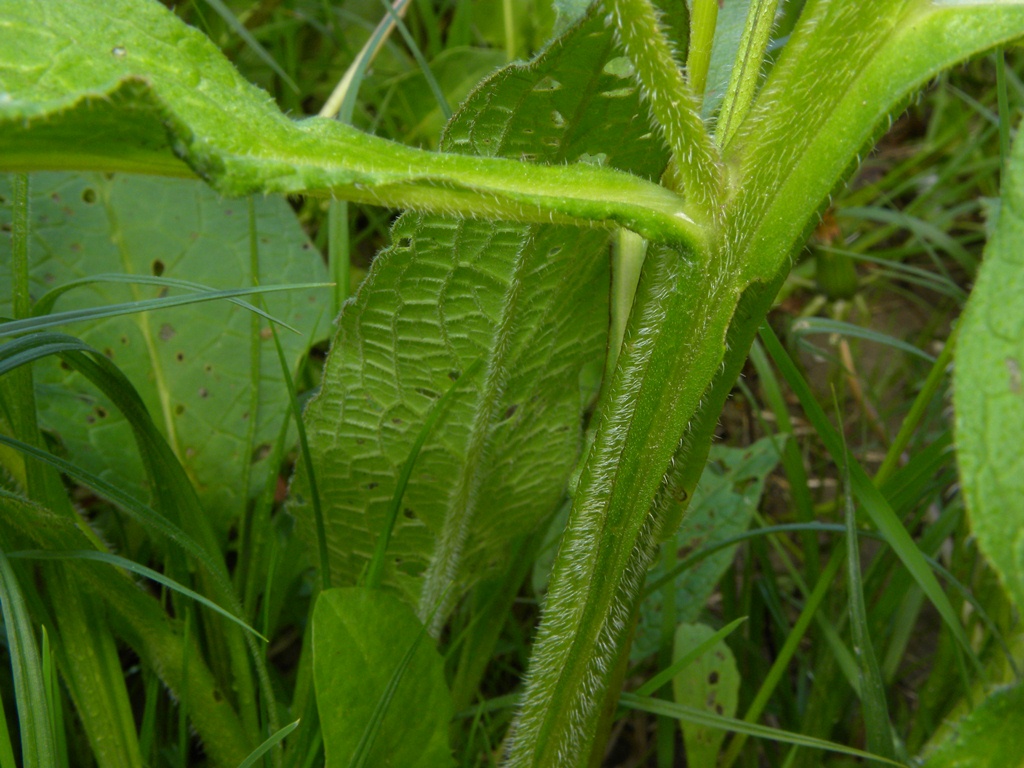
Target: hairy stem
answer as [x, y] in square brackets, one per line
[675, 108]
[671, 353]
[702, 37]
[747, 70]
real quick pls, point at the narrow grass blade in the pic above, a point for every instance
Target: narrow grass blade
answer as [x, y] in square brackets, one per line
[666, 675]
[789, 648]
[53, 698]
[905, 272]
[37, 739]
[153, 522]
[341, 103]
[6, 748]
[269, 744]
[27, 325]
[172, 490]
[792, 459]
[137, 568]
[872, 687]
[704, 552]
[376, 567]
[44, 304]
[417, 54]
[247, 37]
[870, 498]
[811, 325]
[314, 492]
[936, 376]
[701, 717]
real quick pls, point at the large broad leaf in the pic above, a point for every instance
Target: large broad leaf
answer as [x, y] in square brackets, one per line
[125, 85]
[208, 374]
[380, 687]
[989, 736]
[523, 306]
[989, 391]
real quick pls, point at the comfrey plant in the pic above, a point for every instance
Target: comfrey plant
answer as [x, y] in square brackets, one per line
[448, 426]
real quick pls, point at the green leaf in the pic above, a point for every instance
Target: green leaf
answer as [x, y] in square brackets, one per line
[458, 71]
[173, 495]
[671, 709]
[800, 138]
[37, 737]
[273, 740]
[989, 736]
[803, 134]
[810, 325]
[530, 302]
[989, 393]
[361, 638]
[871, 685]
[123, 85]
[726, 498]
[874, 504]
[130, 565]
[198, 385]
[729, 27]
[712, 682]
[141, 620]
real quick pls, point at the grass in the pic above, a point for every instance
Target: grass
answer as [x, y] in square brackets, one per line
[838, 643]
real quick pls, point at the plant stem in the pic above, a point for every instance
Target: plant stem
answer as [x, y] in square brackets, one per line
[746, 70]
[675, 107]
[703, 20]
[672, 351]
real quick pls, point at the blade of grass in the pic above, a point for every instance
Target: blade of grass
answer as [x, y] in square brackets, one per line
[85, 665]
[183, 735]
[792, 460]
[175, 497]
[321, 532]
[789, 648]
[740, 727]
[666, 675]
[38, 747]
[29, 324]
[52, 686]
[905, 272]
[417, 54]
[137, 568]
[269, 744]
[375, 572]
[341, 105]
[247, 37]
[44, 304]
[6, 748]
[870, 498]
[872, 687]
[809, 325]
[931, 385]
